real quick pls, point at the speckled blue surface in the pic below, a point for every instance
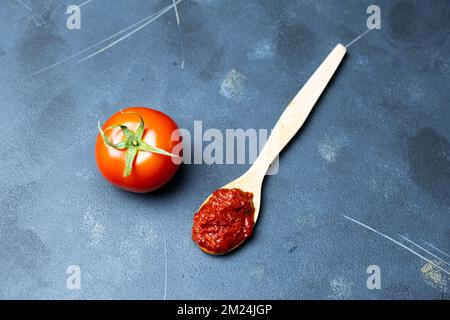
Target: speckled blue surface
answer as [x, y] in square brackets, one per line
[376, 149]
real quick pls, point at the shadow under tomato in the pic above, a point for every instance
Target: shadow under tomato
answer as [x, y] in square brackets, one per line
[174, 185]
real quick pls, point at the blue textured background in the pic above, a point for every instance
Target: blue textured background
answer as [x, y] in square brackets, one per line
[376, 148]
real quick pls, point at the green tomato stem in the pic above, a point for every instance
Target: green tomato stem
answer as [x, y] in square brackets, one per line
[133, 143]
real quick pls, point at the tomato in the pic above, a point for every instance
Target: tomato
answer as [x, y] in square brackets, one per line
[134, 149]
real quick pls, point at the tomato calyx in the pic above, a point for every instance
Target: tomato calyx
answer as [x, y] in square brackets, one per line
[132, 143]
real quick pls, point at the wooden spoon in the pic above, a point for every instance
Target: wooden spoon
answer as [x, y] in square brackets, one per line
[287, 126]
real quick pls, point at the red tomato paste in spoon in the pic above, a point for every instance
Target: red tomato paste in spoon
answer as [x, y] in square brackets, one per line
[224, 221]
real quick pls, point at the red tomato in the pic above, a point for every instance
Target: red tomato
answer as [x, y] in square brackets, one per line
[148, 168]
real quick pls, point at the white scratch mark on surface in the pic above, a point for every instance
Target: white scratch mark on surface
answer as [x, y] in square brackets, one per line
[165, 268]
[397, 243]
[176, 12]
[112, 44]
[232, 85]
[437, 249]
[89, 48]
[25, 5]
[425, 250]
[92, 46]
[179, 33]
[36, 19]
[84, 3]
[358, 37]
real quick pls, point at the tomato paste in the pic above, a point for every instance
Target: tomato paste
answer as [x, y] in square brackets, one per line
[224, 221]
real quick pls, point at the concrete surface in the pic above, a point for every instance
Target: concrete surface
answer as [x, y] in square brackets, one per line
[376, 149]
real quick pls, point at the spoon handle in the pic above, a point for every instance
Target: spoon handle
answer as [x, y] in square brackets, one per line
[298, 110]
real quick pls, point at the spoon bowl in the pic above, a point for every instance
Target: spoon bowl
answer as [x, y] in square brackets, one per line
[248, 183]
